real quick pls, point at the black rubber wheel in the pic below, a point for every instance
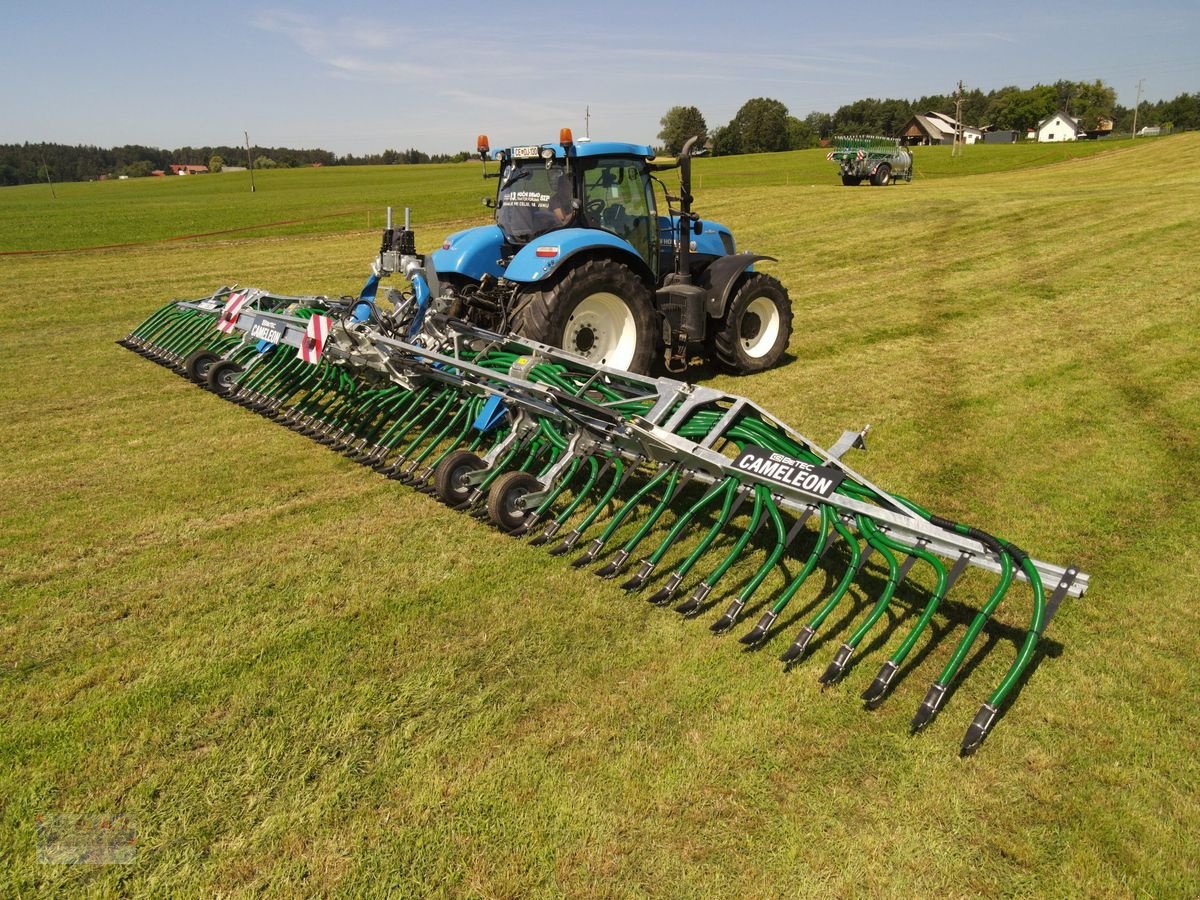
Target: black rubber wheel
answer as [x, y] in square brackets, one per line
[503, 502]
[851, 181]
[448, 476]
[756, 327]
[882, 175]
[599, 309]
[222, 376]
[197, 365]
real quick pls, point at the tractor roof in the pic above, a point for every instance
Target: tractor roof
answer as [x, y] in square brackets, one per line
[587, 148]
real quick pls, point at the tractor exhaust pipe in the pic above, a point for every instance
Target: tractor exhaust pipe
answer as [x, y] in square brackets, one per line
[683, 255]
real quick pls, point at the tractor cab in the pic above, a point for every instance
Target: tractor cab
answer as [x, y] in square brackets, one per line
[600, 186]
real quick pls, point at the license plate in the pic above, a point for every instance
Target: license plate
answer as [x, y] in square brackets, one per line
[266, 330]
[526, 152]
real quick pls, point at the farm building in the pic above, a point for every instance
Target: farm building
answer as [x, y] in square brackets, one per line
[936, 128]
[1057, 127]
[177, 169]
[999, 137]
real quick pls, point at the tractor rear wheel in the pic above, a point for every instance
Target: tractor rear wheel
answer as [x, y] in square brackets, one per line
[756, 327]
[504, 499]
[882, 175]
[598, 309]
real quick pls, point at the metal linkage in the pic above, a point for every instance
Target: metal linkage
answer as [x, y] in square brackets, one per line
[718, 497]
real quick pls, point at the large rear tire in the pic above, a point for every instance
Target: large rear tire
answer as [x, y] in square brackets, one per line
[851, 181]
[756, 327]
[882, 175]
[598, 309]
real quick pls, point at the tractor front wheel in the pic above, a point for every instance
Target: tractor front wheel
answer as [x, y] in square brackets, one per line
[756, 327]
[598, 309]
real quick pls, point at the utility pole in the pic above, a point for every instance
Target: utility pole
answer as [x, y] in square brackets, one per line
[1136, 104]
[249, 161]
[46, 169]
[958, 126]
[587, 122]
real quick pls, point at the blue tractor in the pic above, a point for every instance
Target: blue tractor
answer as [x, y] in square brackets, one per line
[578, 257]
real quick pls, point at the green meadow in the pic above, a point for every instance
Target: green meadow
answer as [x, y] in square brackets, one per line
[294, 677]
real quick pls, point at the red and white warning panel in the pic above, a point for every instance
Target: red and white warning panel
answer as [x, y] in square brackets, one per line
[229, 314]
[314, 339]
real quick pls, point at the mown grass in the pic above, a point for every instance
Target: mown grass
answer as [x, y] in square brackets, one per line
[339, 200]
[297, 677]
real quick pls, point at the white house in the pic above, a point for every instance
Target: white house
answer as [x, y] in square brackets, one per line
[1058, 127]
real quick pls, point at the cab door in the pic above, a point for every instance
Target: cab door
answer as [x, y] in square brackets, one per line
[619, 198]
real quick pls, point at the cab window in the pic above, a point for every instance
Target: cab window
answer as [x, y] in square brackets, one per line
[618, 198]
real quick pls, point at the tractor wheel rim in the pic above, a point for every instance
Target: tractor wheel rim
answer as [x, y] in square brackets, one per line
[602, 329]
[757, 342]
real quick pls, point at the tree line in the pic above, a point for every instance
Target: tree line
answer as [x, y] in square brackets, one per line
[761, 125]
[27, 163]
[764, 125]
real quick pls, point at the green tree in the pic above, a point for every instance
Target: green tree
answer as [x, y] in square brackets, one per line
[820, 123]
[800, 134]
[1021, 110]
[678, 125]
[264, 162]
[725, 141]
[139, 169]
[215, 163]
[1088, 101]
[761, 125]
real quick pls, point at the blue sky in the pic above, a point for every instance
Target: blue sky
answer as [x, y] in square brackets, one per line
[369, 76]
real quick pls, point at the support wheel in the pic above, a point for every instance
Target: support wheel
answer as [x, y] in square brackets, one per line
[757, 326]
[222, 376]
[197, 365]
[599, 309]
[882, 175]
[449, 478]
[504, 499]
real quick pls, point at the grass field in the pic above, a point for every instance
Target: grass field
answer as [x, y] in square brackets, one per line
[294, 676]
[337, 200]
